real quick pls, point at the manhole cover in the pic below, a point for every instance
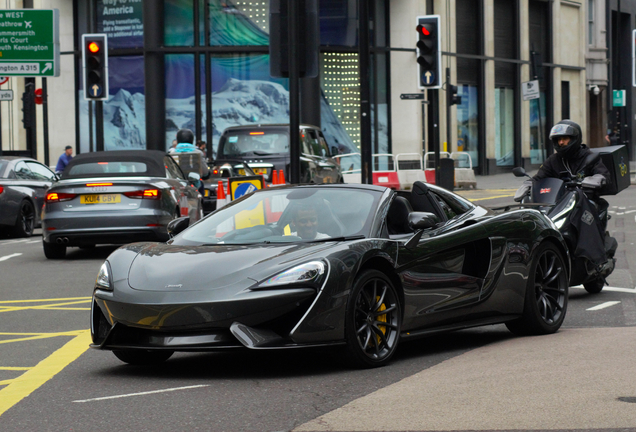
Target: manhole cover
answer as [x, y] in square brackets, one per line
[629, 399]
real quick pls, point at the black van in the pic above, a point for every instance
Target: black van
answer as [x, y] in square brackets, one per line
[266, 148]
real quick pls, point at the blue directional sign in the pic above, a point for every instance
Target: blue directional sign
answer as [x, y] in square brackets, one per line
[428, 78]
[244, 189]
[96, 90]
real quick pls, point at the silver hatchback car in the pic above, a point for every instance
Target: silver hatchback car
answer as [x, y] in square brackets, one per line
[116, 197]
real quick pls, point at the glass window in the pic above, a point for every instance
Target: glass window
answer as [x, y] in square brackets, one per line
[341, 86]
[504, 126]
[239, 23]
[178, 22]
[3, 165]
[537, 129]
[254, 141]
[339, 22]
[122, 21]
[40, 172]
[244, 93]
[180, 110]
[22, 172]
[468, 122]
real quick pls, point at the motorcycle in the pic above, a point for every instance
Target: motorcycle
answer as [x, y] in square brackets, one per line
[581, 215]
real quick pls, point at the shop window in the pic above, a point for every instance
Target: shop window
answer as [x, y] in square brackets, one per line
[468, 122]
[122, 23]
[239, 23]
[504, 126]
[339, 22]
[537, 129]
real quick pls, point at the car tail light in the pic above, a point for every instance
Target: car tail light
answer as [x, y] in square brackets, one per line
[59, 197]
[98, 184]
[1, 189]
[152, 194]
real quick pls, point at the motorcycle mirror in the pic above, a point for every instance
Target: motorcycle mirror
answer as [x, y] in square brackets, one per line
[519, 172]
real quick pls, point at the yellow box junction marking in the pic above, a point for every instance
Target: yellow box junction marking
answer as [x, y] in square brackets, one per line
[21, 387]
[55, 304]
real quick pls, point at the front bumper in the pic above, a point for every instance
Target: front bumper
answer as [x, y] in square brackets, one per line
[259, 319]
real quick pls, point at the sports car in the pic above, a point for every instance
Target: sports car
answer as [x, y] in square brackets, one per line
[359, 266]
[116, 197]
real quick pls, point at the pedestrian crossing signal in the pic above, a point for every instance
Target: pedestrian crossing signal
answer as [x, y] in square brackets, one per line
[429, 53]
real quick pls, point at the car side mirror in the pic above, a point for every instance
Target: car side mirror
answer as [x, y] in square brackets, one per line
[422, 220]
[178, 225]
[519, 172]
[194, 177]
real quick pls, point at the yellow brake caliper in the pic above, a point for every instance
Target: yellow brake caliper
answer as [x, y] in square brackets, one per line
[381, 318]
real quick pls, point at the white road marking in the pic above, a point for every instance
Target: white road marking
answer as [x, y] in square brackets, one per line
[6, 242]
[603, 305]
[606, 288]
[34, 241]
[142, 393]
[6, 257]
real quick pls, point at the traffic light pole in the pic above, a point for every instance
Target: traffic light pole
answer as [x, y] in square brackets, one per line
[449, 96]
[99, 125]
[294, 95]
[434, 98]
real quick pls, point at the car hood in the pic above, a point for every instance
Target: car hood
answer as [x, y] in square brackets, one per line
[163, 267]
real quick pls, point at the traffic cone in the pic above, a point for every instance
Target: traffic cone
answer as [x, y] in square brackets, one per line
[228, 194]
[274, 177]
[281, 177]
[220, 195]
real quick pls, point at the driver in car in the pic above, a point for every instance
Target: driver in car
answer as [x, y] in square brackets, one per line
[305, 221]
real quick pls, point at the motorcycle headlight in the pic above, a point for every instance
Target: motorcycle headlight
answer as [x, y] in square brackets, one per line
[310, 273]
[103, 280]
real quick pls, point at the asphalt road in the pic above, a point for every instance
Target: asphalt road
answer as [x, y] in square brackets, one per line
[479, 379]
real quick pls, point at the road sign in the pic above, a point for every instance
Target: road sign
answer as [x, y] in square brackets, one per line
[619, 98]
[530, 90]
[30, 42]
[4, 80]
[6, 95]
[412, 96]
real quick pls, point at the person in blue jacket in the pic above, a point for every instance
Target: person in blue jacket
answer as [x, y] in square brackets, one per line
[185, 144]
[64, 159]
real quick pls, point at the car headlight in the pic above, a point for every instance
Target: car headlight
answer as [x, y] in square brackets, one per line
[310, 273]
[103, 280]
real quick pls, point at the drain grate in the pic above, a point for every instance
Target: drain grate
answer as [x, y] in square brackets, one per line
[628, 399]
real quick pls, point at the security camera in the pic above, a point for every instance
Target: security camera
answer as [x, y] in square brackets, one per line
[594, 89]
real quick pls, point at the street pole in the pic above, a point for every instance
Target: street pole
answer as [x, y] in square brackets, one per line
[45, 121]
[294, 94]
[366, 152]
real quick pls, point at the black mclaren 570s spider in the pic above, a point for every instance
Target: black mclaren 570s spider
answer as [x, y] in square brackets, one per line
[359, 266]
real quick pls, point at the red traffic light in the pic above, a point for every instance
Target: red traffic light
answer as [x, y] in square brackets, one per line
[93, 47]
[422, 29]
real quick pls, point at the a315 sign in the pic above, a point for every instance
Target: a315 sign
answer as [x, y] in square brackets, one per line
[30, 42]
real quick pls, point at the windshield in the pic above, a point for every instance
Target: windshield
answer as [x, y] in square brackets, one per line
[288, 215]
[101, 168]
[260, 142]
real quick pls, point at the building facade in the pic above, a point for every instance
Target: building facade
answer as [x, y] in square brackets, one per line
[204, 65]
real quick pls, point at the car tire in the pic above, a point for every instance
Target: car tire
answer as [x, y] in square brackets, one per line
[25, 223]
[595, 286]
[53, 251]
[546, 297]
[373, 320]
[140, 357]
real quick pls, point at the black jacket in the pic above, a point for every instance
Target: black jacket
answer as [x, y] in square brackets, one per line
[555, 165]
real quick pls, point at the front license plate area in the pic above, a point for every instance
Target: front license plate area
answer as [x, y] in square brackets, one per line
[100, 199]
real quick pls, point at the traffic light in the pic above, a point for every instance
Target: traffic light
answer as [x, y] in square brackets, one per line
[429, 52]
[95, 63]
[453, 99]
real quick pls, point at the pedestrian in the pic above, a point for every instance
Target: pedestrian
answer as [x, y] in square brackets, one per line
[612, 137]
[201, 145]
[64, 159]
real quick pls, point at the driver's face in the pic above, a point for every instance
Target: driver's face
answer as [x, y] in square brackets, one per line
[306, 223]
[563, 141]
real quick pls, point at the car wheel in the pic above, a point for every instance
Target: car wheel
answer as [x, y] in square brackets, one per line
[54, 251]
[25, 223]
[142, 357]
[595, 286]
[546, 297]
[373, 320]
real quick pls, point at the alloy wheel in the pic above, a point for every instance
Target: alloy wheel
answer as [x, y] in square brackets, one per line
[550, 287]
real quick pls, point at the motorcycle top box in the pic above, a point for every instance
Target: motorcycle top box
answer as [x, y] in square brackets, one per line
[616, 159]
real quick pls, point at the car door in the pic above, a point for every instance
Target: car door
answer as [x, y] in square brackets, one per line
[42, 180]
[445, 271]
[184, 190]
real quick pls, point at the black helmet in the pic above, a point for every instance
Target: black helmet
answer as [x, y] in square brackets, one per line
[185, 136]
[570, 129]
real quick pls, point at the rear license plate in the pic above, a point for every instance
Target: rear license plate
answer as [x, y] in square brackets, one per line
[100, 199]
[257, 171]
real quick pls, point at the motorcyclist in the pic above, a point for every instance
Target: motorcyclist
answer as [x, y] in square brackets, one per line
[571, 157]
[185, 144]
